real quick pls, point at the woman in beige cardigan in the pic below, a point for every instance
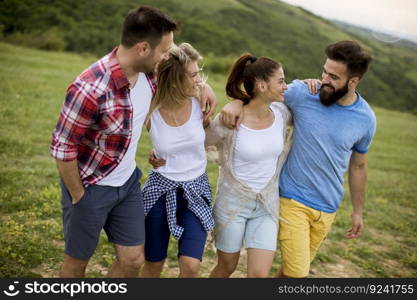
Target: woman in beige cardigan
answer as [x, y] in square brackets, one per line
[246, 211]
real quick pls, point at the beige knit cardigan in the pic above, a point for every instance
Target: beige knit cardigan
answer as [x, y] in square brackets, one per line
[224, 140]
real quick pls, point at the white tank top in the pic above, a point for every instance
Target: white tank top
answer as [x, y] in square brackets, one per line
[140, 96]
[256, 152]
[182, 147]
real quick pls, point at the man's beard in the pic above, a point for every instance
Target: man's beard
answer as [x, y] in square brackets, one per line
[328, 98]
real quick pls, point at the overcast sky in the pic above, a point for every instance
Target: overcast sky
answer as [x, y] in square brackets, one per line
[393, 16]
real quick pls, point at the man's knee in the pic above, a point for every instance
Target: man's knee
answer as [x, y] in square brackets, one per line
[73, 267]
[132, 259]
[295, 252]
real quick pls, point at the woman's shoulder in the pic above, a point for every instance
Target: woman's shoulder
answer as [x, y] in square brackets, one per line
[280, 107]
[196, 107]
[283, 110]
[196, 102]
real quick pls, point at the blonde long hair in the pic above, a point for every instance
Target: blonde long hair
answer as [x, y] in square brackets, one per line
[172, 77]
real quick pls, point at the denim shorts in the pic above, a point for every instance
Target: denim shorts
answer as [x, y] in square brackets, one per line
[117, 210]
[192, 240]
[252, 227]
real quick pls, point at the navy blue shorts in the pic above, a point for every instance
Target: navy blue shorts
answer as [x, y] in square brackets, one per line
[192, 240]
[117, 210]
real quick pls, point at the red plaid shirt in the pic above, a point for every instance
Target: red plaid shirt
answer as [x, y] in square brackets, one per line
[95, 124]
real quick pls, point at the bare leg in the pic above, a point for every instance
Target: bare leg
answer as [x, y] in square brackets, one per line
[280, 274]
[259, 262]
[73, 267]
[226, 264]
[152, 269]
[129, 259]
[189, 267]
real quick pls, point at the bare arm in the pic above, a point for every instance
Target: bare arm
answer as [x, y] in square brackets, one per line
[358, 174]
[155, 161]
[206, 123]
[208, 100]
[232, 114]
[68, 170]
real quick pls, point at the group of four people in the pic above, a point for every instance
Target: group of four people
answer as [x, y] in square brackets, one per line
[281, 165]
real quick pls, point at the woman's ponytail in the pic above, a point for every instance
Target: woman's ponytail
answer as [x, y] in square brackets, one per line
[236, 78]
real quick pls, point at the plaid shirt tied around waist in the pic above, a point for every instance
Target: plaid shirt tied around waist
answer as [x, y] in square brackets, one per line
[157, 185]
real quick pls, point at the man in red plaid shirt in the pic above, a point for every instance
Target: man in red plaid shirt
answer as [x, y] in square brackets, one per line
[95, 141]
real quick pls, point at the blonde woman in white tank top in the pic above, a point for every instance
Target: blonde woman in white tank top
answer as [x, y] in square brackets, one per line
[177, 196]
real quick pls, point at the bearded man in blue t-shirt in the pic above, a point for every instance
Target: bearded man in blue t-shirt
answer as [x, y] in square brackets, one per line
[333, 130]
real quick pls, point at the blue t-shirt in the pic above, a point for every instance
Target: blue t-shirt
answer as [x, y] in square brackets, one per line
[323, 140]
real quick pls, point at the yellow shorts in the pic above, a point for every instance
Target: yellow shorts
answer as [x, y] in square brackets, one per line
[301, 233]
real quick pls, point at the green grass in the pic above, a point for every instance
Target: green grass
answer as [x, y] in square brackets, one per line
[32, 89]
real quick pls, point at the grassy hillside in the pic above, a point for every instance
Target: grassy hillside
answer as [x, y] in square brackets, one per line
[221, 30]
[33, 83]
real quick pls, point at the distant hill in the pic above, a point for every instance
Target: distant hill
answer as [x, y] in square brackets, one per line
[366, 33]
[221, 30]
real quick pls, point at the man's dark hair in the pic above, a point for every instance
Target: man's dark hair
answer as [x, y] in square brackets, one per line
[352, 54]
[146, 23]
